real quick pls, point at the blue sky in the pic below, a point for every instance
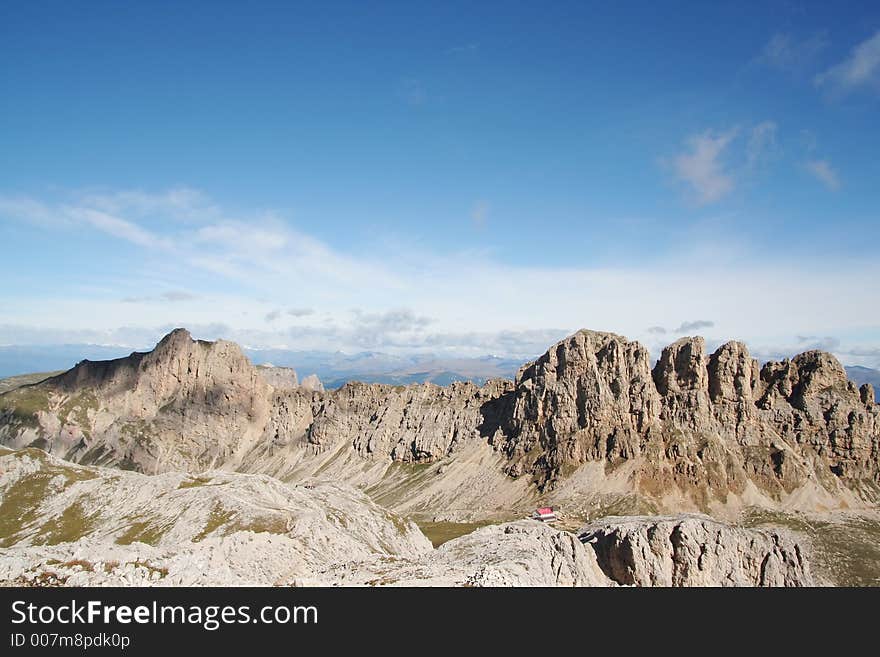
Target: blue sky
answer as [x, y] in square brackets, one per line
[457, 177]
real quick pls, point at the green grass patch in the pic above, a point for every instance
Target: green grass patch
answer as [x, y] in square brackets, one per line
[400, 480]
[149, 531]
[70, 526]
[264, 524]
[441, 532]
[845, 548]
[24, 403]
[13, 382]
[21, 501]
[218, 518]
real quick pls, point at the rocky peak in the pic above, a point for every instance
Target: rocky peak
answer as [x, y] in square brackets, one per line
[587, 397]
[180, 364]
[682, 379]
[709, 422]
[802, 380]
[734, 375]
[312, 383]
[866, 393]
[176, 341]
[817, 371]
[283, 378]
[682, 367]
[702, 426]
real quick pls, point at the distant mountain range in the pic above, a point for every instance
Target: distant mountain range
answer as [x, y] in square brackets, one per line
[862, 375]
[333, 368]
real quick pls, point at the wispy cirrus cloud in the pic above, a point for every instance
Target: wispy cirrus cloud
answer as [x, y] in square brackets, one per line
[860, 69]
[694, 325]
[792, 54]
[684, 327]
[761, 144]
[239, 268]
[117, 227]
[177, 203]
[822, 171]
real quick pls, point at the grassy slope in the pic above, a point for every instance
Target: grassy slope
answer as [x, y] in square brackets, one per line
[23, 379]
[845, 547]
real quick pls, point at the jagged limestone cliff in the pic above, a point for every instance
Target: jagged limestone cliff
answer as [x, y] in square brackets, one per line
[706, 425]
[590, 417]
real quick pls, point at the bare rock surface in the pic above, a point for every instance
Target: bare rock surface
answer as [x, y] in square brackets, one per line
[522, 553]
[279, 377]
[65, 524]
[213, 528]
[693, 550]
[312, 383]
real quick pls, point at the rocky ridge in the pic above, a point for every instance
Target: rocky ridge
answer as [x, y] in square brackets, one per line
[589, 416]
[694, 551]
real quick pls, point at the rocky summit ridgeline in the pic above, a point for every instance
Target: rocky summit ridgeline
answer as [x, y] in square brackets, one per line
[591, 417]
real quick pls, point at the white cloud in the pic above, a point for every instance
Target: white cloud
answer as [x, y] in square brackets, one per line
[694, 325]
[861, 68]
[245, 237]
[116, 227]
[701, 167]
[412, 299]
[29, 210]
[179, 203]
[761, 144]
[785, 52]
[824, 173]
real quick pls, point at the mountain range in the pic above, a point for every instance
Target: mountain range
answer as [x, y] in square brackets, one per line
[333, 368]
[711, 430]
[592, 427]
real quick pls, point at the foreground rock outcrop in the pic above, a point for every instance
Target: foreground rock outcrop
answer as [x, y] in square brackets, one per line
[694, 551]
[522, 553]
[212, 528]
[590, 417]
[64, 524]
